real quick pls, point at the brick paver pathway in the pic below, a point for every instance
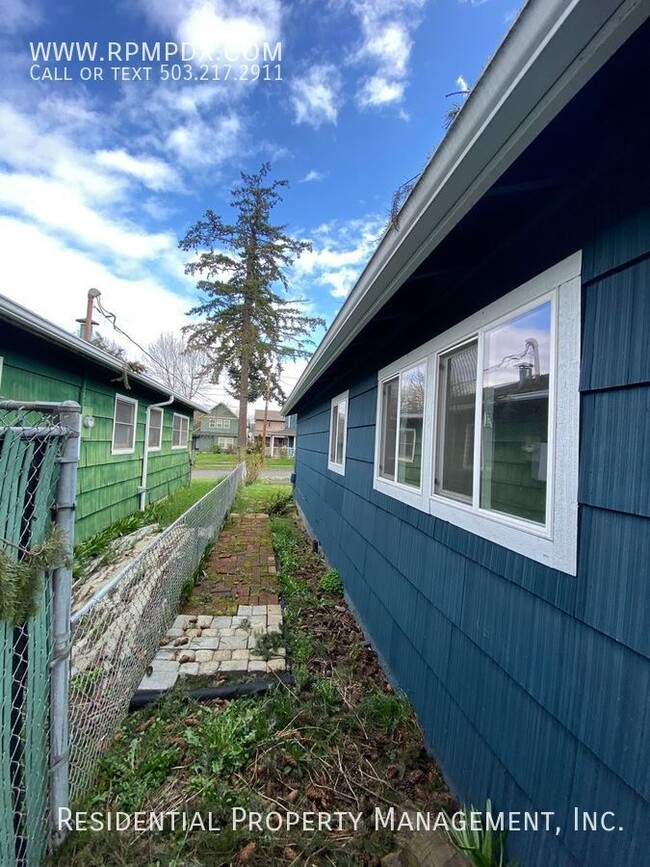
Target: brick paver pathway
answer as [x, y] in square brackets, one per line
[243, 557]
[241, 571]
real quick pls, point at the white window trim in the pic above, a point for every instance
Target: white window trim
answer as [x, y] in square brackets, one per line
[162, 422]
[331, 465]
[404, 493]
[554, 545]
[187, 418]
[129, 451]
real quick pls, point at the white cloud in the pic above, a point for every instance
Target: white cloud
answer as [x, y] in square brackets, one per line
[312, 175]
[19, 14]
[462, 84]
[223, 29]
[315, 95]
[207, 142]
[143, 306]
[340, 250]
[153, 173]
[386, 27]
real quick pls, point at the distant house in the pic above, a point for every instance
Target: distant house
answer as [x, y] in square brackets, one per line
[117, 475]
[280, 433]
[217, 428]
[474, 438]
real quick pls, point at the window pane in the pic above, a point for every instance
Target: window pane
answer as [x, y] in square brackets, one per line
[124, 411]
[389, 400]
[456, 411]
[340, 432]
[155, 421]
[515, 415]
[123, 437]
[409, 464]
[333, 432]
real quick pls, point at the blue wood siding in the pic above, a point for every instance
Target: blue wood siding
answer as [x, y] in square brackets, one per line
[533, 687]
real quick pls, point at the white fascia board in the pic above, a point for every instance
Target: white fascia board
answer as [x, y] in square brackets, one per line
[551, 52]
[27, 320]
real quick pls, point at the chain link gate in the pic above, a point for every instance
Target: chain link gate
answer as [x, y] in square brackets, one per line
[38, 458]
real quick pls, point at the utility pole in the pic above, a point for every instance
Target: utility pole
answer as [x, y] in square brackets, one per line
[266, 414]
[87, 321]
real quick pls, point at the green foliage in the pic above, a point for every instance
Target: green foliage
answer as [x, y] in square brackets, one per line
[256, 497]
[483, 846]
[248, 328]
[163, 513]
[280, 502]
[253, 466]
[331, 582]
[85, 682]
[225, 740]
[21, 580]
[140, 761]
[327, 690]
[385, 710]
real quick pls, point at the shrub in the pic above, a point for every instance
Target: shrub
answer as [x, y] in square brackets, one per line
[279, 503]
[253, 466]
[331, 582]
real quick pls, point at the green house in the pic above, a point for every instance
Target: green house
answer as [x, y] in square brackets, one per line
[217, 428]
[116, 476]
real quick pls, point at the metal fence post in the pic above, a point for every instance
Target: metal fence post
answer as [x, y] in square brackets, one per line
[69, 416]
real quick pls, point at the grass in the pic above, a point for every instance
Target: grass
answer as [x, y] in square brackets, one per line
[260, 496]
[163, 513]
[207, 460]
[340, 739]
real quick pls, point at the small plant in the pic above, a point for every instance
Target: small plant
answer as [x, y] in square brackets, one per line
[226, 739]
[385, 710]
[253, 466]
[470, 833]
[328, 692]
[302, 647]
[280, 503]
[331, 582]
[268, 644]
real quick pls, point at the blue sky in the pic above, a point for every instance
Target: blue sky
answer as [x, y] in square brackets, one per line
[100, 178]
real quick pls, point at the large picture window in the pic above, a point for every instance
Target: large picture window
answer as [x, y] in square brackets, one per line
[479, 427]
[338, 433]
[124, 424]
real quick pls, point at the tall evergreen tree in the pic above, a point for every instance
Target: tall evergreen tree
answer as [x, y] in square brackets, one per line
[246, 326]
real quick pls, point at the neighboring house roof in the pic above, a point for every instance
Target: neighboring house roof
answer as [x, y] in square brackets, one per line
[220, 410]
[19, 316]
[551, 51]
[273, 415]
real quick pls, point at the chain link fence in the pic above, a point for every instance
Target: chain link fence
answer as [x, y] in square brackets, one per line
[38, 452]
[118, 631]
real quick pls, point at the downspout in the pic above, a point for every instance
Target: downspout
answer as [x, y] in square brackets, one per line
[142, 490]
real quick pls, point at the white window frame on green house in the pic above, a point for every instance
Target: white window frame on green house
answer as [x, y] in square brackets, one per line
[224, 442]
[337, 446]
[157, 445]
[213, 423]
[133, 425]
[553, 541]
[180, 430]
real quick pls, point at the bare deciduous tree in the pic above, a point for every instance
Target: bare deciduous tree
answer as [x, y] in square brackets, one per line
[183, 370]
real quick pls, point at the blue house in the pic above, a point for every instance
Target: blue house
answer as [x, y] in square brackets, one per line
[474, 438]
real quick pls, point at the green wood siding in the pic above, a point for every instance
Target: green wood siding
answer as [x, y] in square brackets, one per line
[107, 484]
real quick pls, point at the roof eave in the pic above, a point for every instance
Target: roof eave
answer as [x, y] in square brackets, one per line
[552, 50]
[26, 319]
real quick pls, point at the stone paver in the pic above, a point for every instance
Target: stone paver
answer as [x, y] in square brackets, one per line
[244, 565]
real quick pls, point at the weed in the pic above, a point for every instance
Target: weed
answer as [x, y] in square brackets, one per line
[301, 647]
[331, 582]
[327, 689]
[268, 644]
[225, 740]
[385, 710]
[280, 503]
[483, 846]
